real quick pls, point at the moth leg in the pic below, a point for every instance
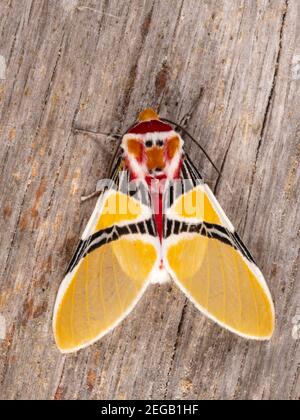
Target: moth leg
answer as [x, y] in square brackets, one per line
[99, 190]
[78, 130]
[85, 198]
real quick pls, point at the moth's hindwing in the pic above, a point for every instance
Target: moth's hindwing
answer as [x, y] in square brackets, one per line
[109, 272]
[212, 266]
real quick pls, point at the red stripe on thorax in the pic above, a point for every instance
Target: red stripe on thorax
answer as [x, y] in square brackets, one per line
[150, 127]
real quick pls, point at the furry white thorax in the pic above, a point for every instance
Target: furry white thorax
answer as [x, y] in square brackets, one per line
[141, 170]
[160, 276]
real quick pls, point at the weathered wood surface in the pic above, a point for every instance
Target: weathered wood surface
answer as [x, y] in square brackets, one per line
[231, 66]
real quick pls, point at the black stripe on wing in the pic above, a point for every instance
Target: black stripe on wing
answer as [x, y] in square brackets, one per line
[141, 193]
[175, 188]
[108, 235]
[175, 227]
[195, 174]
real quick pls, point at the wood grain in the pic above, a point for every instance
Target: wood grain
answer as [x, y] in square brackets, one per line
[229, 71]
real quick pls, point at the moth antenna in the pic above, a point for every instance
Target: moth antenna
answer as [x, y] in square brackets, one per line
[194, 141]
[202, 149]
[95, 133]
[116, 136]
[114, 158]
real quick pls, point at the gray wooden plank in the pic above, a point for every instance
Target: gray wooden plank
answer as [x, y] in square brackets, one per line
[230, 68]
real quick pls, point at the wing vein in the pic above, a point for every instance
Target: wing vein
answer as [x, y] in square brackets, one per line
[101, 277]
[238, 287]
[87, 295]
[221, 265]
[117, 290]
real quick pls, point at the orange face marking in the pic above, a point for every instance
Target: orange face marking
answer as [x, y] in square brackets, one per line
[135, 148]
[172, 147]
[155, 158]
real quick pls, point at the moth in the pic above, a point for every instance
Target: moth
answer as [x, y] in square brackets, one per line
[157, 220]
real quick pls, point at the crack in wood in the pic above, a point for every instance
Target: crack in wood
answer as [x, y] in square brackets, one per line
[29, 176]
[57, 391]
[176, 28]
[16, 228]
[134, 68]
[49, 87]
[268, 109]
[220, 176]
[294, 384]
[56, 177]
[14, 42]
[188, 116]
[133, 363]
[30, 11]
[241, 368]
[178, 336]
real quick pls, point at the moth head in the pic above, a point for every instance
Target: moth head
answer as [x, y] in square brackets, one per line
[152, 146]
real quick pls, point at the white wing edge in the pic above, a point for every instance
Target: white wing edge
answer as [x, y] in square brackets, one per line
[67, 281]
[253, 267]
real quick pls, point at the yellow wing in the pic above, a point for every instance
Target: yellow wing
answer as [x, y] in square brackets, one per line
[212, 266]
[108, 274]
